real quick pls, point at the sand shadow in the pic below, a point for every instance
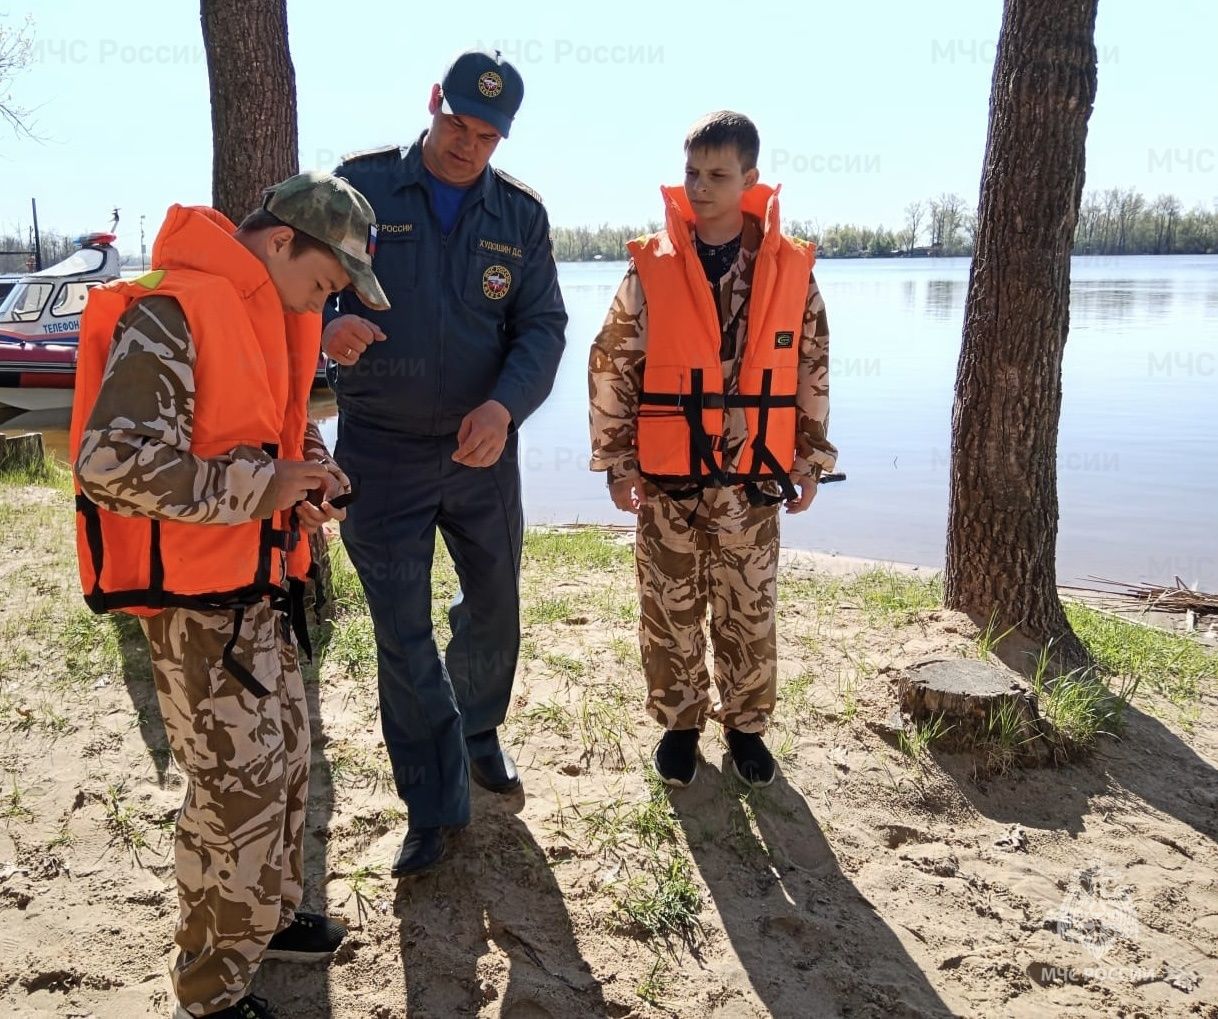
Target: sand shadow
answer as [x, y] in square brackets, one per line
[137, 678]
[1136, 763]
[493, 908]
[808, 941]
[296, 990]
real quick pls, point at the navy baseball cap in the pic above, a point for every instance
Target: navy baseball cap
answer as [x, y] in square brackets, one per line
[480, 83]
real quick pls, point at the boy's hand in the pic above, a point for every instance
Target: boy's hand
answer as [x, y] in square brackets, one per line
[347, 337]
[311, 514]
[627, 494]
[807, 492]
[294, 479]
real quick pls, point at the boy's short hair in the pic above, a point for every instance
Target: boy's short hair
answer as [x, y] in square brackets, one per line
[722, 129]
[302, 243]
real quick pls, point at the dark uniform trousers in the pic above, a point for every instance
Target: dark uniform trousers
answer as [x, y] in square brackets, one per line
[435, 710]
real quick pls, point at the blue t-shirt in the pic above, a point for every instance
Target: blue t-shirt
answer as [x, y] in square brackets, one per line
[445, 200]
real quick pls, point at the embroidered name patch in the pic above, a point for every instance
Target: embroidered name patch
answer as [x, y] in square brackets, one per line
[500, 248]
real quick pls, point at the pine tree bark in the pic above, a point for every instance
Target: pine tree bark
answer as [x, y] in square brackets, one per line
[254, 136]
[253, 100]
[1003, 516]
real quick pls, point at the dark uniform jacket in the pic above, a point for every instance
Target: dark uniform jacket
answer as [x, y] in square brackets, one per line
[477, 314]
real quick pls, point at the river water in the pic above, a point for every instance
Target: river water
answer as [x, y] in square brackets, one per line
[1138, 446]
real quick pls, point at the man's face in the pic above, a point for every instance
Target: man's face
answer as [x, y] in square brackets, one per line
[457, 148]
[715, 182]
[306, 281]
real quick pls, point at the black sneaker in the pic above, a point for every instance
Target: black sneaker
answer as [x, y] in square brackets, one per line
[676, 757]
[248, 1007]
[309, 938]
[751, 761]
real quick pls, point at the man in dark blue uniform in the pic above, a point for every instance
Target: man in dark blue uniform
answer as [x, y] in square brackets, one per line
[430, 397]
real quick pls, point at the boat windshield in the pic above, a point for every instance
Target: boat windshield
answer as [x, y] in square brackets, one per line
[26, 302]
[84, 260]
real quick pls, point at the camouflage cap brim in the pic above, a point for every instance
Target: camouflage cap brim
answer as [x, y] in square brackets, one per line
[363, 280]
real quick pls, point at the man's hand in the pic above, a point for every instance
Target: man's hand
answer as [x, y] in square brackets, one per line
[295, 479]
[482, 435]
[807, 492]
[627, 494]
[346, 338]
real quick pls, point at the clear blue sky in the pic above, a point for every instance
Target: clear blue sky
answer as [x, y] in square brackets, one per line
[861, 106]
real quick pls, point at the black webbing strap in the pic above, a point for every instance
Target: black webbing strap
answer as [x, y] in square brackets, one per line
[761, 452]
[95, 599]
[298, 616]
[156, 567]
[239, 671]
[701, 454]
[713, 401]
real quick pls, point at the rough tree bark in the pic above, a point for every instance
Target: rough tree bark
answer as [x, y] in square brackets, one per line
[1002, 528]
[253, 100]
[254, 135]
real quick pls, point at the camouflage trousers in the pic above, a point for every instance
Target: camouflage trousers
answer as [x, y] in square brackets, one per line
[238, 843]
[684, 569]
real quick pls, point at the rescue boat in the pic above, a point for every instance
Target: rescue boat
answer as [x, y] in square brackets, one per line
[40, 325]
[40, 328]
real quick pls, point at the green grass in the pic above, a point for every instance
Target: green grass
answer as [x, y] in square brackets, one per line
[92, 647]
[915, 742]
[352, 645]
[887, 596]
[122, 822]
[654, 987]
[549, 716]
[47, 473]
[663, 903]
[565, 666]
[542, 611]
[575, 551]
[1174, 666]
[13, 806]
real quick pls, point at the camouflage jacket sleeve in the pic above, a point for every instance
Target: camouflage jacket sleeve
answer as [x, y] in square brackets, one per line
[615, 379]
[135, 456]
[814, 453]
[314, 444]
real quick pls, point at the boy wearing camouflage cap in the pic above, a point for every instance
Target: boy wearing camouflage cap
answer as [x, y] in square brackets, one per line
[194, 461]
[709, 404]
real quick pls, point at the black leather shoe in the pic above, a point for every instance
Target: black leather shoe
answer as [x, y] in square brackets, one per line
[421, 849]
[495, 771]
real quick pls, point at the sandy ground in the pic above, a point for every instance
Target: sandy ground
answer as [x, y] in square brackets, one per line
[863, 883]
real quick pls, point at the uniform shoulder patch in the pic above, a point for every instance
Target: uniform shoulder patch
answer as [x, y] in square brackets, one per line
[519, 185]
[380, 150]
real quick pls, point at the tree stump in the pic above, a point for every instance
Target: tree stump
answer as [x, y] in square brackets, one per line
[981, 705]
[21, 452]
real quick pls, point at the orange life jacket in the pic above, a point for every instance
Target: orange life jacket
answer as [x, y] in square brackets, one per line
[254, 366]
[681, 407]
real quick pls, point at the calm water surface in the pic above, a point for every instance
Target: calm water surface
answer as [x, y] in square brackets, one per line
[1138, 447]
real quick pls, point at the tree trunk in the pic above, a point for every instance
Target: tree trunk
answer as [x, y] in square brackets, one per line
[253, 100]
[1002, 527]
[254, 139]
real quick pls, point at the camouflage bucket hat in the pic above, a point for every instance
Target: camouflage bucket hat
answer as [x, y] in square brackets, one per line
[332, 211]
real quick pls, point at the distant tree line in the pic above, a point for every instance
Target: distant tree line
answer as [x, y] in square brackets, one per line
[55, 247]
[1112, 222]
